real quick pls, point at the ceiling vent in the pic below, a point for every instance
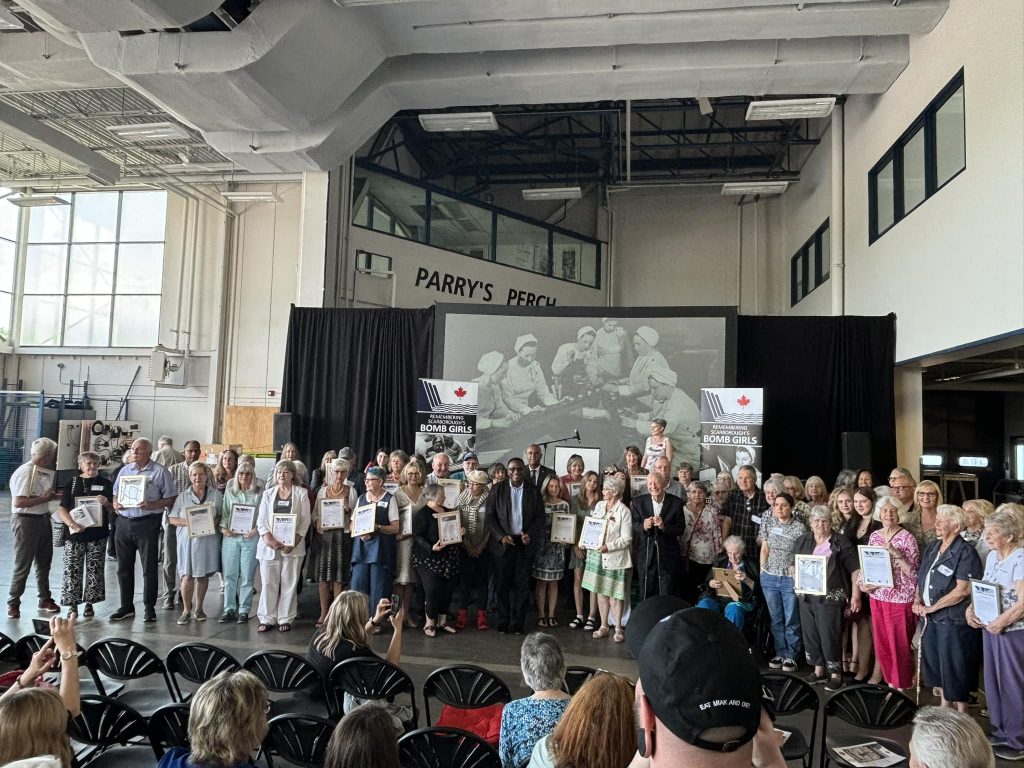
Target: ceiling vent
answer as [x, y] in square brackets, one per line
[790, 109]
[37, 201]
[755, 188]
[553, 193]
[138, 132]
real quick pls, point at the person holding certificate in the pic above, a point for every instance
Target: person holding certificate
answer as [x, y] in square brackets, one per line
[474, 559]
[410, 500]
[821, 616]
[702, 545]
[582, 505]
[859, 532]
[198, 555]
[950, 647]
[609, 565]
[83, 552]
[1003, 637]
[239, 541]
[735, 607]
[437, 563]
[333, 541]
[281, 547]
[374, 554]
[549, 560]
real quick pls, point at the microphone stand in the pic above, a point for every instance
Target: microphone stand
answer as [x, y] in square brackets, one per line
[575, 436]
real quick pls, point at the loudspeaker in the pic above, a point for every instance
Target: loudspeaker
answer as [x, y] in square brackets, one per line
[857, 450]
[283, 430]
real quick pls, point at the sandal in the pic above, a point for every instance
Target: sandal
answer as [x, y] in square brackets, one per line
[600, 634]
[263, 628]
[285, 628]
[447, 628]
[542, 622]
[430, 631]
[619, 635]
[576, 623]
[552, 621]
[591, 624]
[320, 622]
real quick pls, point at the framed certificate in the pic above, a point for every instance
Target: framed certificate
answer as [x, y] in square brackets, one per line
[332, 514]
[131, 490]
[986, 600]
[452, 489]
[283, 527]
[574, 490]
[875, 566]
[41, 480]
[390, 486]
[364, 520]
[201, 520]
[592, 533]
[243, 518]
[563, 528]
[88, 513]
[449, 527]
[638, 484]
[730, 579]
[809, 576]
[405, 520]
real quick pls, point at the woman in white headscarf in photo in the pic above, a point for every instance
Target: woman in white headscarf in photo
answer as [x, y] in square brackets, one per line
[573, 369]
[524, 381]
[491, 410]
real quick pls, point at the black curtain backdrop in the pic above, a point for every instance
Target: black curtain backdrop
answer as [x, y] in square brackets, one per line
[822, 376]
[350, 378]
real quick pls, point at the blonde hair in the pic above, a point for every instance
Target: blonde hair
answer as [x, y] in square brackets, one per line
[814, 480]
[227, 719]
[1008, 518]
[833, 506]
[929, 485]
[799, 493]
[33, 722]
[346, 620]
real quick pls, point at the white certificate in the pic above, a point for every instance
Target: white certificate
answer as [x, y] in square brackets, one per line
[452, 489]
[871, 754]
[364, 520]
[592, 535]
[405, 517]
[283, 528]
[875, 566]
[810, 575]
[41, 480]
[574, 490]
[201, 520]
[986, 599]
[638, 484]
[242, 518]
[563, 528]
[88, 513]
[131, 490]
[332, 514]
[390, 487]
[449, 528]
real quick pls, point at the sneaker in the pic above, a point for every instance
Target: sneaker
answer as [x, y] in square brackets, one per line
[89, 611]
[122, 614]
[13, 611]
[995, 741]
[200, 614]
[227, 617]
[48, 606]
[168, 604]
[789, 665]
[1009, 753]
[149, 616]
[815, 679]
[185, 618]
[243, 618]
[835, 684]
[775, 663]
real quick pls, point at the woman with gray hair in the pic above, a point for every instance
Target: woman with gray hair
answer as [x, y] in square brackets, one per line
[735, 606]
[946, 739]
[198, 556]
[524, 722]
[609, 565]
[333, 545]
[950, 648]
[437, 563]
[87, 540]
[238, 548]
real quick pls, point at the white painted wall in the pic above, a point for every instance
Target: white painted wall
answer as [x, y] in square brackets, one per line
[952, 270]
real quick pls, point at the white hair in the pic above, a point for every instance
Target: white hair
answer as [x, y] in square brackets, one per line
[43, 446]
[166, 440]
[945, 738]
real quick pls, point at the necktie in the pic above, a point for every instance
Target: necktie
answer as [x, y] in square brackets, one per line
[535, 477]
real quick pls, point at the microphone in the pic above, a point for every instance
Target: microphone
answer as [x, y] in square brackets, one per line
[577, 436]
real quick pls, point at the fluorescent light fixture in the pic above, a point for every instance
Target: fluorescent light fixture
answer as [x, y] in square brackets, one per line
[790, 109]
[979, 462]
[150, 131]
[931, 460]
[459, 121]
[250, 196]
[553, 193]
[704, 105]
[754, 187]
[37, 201]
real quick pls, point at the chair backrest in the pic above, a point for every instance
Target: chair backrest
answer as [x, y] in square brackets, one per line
[575, 676]
[197, 663]
[299, 739]
[6, 648]
[168, 727]
[105, 723]
[369, 678]
[464, 686]
[877, 707]
[124, 659]
[283, 671]
[788, 694]
[446, 747]
[30, 644]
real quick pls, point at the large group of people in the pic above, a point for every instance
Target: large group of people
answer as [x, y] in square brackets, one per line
[729, 550]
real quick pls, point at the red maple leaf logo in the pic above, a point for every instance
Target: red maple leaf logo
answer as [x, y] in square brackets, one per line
[743, 401]
[460, 392]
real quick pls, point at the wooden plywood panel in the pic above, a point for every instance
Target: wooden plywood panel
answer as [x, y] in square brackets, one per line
[250, 425]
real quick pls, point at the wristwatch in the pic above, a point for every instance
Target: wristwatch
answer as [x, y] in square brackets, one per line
[65, 655]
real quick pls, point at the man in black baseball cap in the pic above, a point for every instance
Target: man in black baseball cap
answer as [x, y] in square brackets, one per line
[698, 699]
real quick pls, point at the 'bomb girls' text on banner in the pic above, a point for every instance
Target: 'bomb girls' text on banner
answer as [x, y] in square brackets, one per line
[446, 417]
[731, 422]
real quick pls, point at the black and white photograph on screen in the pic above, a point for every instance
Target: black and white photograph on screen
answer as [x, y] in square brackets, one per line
[545, 372]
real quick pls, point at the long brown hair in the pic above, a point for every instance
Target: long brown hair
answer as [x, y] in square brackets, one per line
[33, 722]
[596, 730]
[586, 500]
[365, 738]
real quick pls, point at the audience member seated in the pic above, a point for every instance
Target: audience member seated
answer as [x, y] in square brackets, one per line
[596, 730]
[62, 646]
[525, 721]
[226, 724]
[34, 730]
[363, 739]
[747, 572]
[346, 632]
[944, 738]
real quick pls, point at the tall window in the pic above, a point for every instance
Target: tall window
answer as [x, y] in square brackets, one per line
[811, 265]
[93, 271]
[8, 262]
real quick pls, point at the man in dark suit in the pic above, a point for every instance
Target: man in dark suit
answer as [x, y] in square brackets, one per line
[658, 525]
[535, 472]
[515, 515]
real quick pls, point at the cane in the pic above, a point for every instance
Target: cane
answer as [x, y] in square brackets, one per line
[920, 651]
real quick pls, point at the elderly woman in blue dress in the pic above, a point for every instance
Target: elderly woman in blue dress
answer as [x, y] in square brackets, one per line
[198, 556]
[374, 554]
[524, 380]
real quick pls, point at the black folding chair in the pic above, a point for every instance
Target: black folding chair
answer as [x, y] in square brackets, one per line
[8, 660]
[790, 697]
[284, 672]
[439, 747]
[464, 686]
[575, 676]
[168, 727]
[105, 724]
[197, 663]
[127, 660]
[299, 739]
[871, 709]
[369, 678]
[26, 646]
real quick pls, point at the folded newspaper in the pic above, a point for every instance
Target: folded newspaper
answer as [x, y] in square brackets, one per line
[869, 755]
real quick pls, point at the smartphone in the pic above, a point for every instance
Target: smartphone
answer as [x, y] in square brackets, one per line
[41, 627]
[395, 604]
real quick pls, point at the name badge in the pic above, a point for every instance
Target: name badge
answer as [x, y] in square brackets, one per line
[382, 503]
[96, 488]
[945, 570]
[349, 483]
[755, 519]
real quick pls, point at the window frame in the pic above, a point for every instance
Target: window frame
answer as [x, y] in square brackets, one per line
[809, 261]
[926, 122]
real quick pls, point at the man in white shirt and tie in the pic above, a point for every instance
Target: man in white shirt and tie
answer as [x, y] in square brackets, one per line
[536, 473]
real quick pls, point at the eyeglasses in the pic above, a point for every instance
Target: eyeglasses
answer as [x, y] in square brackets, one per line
[900, 487]
[928, 494]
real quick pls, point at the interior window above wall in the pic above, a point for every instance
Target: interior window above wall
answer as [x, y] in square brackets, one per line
[8, 262]
[94, 270]
[810, 266]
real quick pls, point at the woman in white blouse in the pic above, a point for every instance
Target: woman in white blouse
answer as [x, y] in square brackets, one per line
[279, 560]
